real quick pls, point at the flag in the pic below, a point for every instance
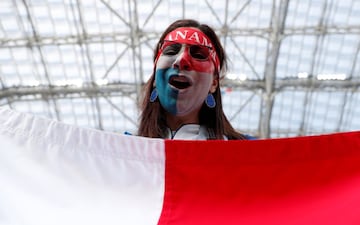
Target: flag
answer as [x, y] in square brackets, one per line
[54, 173]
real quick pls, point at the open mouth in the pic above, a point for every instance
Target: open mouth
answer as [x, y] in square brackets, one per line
[179, 82]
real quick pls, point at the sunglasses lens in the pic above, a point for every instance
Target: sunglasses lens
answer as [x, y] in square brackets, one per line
[199, 52]
[196, 51]
[171, 48]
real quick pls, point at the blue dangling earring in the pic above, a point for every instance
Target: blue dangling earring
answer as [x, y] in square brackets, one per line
[210, 101]
[153, 95]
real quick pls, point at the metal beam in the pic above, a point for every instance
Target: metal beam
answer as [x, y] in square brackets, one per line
[297, 83]
[42, 58]
[315, 54]
[127, 89]
[137, 65]
[64, 91]
[85, 47]
[123, 37]
[277, 24]
[346, 96]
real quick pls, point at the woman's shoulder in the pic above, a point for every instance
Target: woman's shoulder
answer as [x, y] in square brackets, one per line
[240, 136]
[249, 137]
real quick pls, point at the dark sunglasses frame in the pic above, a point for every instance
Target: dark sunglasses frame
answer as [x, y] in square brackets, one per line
[198, 52]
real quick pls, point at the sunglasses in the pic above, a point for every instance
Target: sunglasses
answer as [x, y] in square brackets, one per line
[198, 52]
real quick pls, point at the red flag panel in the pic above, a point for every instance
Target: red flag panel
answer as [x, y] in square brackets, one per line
[304, 180]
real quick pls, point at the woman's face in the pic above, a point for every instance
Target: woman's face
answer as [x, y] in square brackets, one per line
[184, 76]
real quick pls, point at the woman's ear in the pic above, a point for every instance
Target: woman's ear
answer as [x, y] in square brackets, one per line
[214, 85]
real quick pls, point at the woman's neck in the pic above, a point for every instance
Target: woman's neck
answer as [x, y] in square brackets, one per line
[175, 122]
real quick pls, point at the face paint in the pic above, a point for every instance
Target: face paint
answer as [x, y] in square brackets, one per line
[184, 74]
[191, 36]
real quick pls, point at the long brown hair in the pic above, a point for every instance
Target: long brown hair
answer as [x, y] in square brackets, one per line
[152, 118]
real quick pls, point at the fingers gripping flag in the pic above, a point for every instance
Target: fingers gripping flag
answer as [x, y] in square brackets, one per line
[53, 173]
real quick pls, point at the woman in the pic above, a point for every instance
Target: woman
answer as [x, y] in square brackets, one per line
[182, 97]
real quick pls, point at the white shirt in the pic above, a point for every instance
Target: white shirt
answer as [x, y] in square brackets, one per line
[189, 132]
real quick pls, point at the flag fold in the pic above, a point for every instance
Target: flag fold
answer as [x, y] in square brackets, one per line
[54, 173]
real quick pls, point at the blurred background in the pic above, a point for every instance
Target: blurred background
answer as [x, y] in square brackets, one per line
[294, 64]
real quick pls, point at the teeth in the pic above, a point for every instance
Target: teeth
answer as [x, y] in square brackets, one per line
[179, 82]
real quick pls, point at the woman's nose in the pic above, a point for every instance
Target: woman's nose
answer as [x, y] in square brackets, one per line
[183, 62]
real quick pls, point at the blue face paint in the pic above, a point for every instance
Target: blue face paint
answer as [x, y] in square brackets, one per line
[167, 95]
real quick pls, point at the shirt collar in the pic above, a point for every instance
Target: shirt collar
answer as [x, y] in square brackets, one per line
[189, 132]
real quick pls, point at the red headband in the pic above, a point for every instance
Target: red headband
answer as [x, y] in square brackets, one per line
[192, 36]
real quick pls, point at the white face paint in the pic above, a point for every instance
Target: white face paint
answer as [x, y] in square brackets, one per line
[184, 76]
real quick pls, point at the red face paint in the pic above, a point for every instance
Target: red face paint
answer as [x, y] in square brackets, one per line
[188, 57]
[192, 37]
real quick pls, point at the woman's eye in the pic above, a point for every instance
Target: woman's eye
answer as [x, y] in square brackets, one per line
[199, 55]
[172, 49]
[199, 52]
